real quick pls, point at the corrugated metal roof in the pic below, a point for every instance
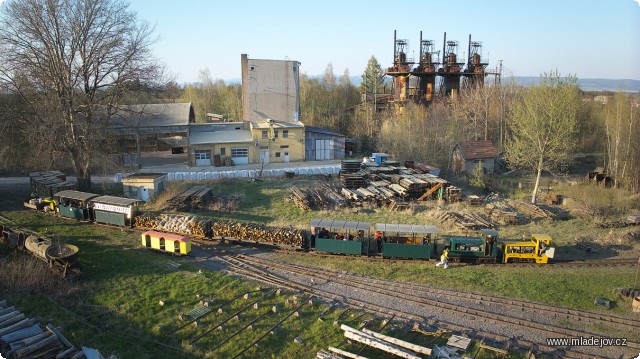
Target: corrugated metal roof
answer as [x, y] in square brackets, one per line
[324, 131]
[77, 195]
[116, 201]
[204, 138]
[406, 228]
[153, 115]
[477, 150]
[339, 224]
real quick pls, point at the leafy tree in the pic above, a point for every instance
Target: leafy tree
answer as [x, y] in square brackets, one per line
[372, 78]
[544, 126]
[70, 61]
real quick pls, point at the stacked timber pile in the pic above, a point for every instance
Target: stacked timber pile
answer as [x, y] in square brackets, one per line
[531, 210]
[502, 213]
[47, 183]
[22, 337]
[259, 233]
[351, 174]
[414, 186]
[186, 225]
[300, 199]
[464, 221]
[323, 197]
[196, 197]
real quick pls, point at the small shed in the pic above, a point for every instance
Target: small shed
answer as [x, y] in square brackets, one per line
[467, 155]
[144, 186]
[115, 210]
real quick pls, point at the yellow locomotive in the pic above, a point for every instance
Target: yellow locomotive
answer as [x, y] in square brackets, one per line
[537, 250]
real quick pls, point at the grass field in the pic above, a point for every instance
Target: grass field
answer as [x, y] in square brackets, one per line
[115, 305]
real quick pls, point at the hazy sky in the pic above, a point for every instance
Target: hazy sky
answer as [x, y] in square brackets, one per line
[587, 38]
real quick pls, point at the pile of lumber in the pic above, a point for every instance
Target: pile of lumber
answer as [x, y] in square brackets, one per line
[353, 180]
[46, 184]
[259, 233]
[464, 221]
[196, 197]
[22, 337]
[531, 210]
[323, 197]
[392, 346]
[502, 213]
[186, 225]
[350, 166]
[300, 198]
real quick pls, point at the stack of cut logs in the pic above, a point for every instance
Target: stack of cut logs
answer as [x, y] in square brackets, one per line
[300, 198]
[259, 233]
[187, 225]
[192, 198]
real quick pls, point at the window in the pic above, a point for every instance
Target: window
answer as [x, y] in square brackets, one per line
[239, 152]
[285, 133]
[203, 154]
[277, 154]
[223, 151]
[284, 146]
[275, 133]
[264, 134]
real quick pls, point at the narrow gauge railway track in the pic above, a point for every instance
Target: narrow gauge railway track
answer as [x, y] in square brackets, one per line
[557, 312]
[255, 270]
[569, 263]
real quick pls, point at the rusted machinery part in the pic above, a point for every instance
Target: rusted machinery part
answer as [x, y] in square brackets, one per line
[37, 246]
[64, 251]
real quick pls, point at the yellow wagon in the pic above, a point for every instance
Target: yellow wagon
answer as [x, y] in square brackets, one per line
[165, 242]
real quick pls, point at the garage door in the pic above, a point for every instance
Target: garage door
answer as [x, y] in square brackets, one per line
[203, 157]
[240, 155]
[324, 150]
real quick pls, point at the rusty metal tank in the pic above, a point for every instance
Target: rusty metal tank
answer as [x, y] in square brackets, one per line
[44, 249]
[37, 246]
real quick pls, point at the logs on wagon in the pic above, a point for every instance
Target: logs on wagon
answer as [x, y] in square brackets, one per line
[259, 233]
[188, 225]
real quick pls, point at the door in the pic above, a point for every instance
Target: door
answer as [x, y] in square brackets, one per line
[286, 157]
[240, 155]
[203, 157]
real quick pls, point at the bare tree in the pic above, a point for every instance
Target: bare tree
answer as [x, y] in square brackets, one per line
[71, 61]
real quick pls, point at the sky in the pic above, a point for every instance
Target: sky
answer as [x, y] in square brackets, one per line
[586, 38]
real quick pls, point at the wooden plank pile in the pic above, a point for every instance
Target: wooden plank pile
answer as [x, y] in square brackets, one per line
[22, 337]
[464, 221]
[531, 210]
[392, 346]
[259, 233]
[300, 198]
[47, 183]
[186, 225]
[196, 197]
[351, 174]
[502, 213]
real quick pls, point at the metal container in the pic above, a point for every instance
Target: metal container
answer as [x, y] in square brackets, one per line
[37, 246]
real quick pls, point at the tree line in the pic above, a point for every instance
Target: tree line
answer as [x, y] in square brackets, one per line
[66, 66]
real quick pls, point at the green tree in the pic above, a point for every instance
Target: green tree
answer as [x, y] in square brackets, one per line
[71, 61]
[372, 78]
[544, 126]
[622, 129]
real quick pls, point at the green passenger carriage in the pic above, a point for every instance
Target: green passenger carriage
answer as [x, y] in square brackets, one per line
[407, 240]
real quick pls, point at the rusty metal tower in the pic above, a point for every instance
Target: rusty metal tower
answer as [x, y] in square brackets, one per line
[451, 69]
[426, 71]
[400, 70]
[475, 72]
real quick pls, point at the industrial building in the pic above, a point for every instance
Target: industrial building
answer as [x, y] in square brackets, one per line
[431, 76]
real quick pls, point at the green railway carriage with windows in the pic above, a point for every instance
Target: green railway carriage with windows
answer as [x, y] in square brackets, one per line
[342, 237]
[115, 210]
[483, 249]
[74, 204]
[407, 240]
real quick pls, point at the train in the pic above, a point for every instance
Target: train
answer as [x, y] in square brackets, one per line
[387, 240]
